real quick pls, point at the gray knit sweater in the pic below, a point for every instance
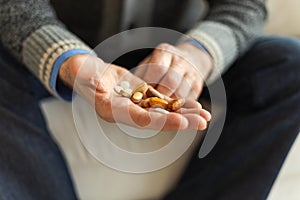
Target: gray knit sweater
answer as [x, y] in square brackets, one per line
[31, 31]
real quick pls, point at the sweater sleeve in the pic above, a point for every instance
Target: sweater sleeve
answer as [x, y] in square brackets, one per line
[228, 30]
[31, 32]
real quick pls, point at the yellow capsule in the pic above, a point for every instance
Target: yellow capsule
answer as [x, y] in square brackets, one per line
[158, 102]
[136, 97]
[176, 104]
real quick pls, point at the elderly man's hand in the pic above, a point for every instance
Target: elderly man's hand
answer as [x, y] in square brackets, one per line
[176, 71]
[95, 80]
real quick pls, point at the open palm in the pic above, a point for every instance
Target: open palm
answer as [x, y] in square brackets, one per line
[95, 80]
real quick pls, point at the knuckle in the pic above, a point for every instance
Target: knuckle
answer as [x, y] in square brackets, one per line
[122, 71]
[164, 47]
[181, 61]
[159, 69]
[169, 82]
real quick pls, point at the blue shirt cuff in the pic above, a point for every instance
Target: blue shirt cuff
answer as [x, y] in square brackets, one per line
[58, 87]
[196, 44]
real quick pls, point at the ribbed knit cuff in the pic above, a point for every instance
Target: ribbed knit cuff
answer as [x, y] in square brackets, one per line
[60, 90]
[42, 48]
[220, 42]
[197, 44]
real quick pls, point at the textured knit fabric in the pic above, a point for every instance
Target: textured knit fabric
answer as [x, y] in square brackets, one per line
[31, 31]
[44, 46]
[61, 90]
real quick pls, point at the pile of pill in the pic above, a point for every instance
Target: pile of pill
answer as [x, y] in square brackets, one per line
[148, 97]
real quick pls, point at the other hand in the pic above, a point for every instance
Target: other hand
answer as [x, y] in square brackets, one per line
[176, 71]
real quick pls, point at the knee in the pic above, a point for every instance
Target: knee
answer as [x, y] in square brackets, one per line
[283, 52]
[273, 64]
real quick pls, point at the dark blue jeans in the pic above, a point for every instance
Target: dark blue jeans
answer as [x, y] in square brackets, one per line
[262, 122]
[31, 165]
[263, 91]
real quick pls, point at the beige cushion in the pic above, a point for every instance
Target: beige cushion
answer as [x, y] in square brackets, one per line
[284, 17]
[94, 180]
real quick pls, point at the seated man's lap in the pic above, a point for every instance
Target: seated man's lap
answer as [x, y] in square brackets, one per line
[268, 73]
[31, 165]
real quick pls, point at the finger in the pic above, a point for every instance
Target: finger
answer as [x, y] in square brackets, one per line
[131, 114]
[191, 103]
[166, 122]
[126, 112]
[189, 111]
[144, 119]
[142, 67]
[206, 115]
[157, 67]
[196, 122]
[172, 79]
[194, 92]
[185, 86]
[175, 121]
[201, 112]
[192, 106]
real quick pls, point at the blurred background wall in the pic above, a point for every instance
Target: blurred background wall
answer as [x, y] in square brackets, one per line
[284, 17]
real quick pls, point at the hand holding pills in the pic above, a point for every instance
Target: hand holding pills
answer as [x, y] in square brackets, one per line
[119, 96]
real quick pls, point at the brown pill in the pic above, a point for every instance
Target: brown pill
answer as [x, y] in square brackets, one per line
[151, 92]
[176, 104]
[158, 102]
[143, 87]
[136, 97]
[145, 103]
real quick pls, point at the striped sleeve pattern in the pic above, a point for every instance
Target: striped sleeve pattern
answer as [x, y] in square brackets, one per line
[44, 46]
[228, 30]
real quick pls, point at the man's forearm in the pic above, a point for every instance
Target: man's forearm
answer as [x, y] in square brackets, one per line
[228, 30]
[31, 32]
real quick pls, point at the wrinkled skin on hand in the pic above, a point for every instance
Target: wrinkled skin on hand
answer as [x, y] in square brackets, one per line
[95, 80]
[176, 71]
